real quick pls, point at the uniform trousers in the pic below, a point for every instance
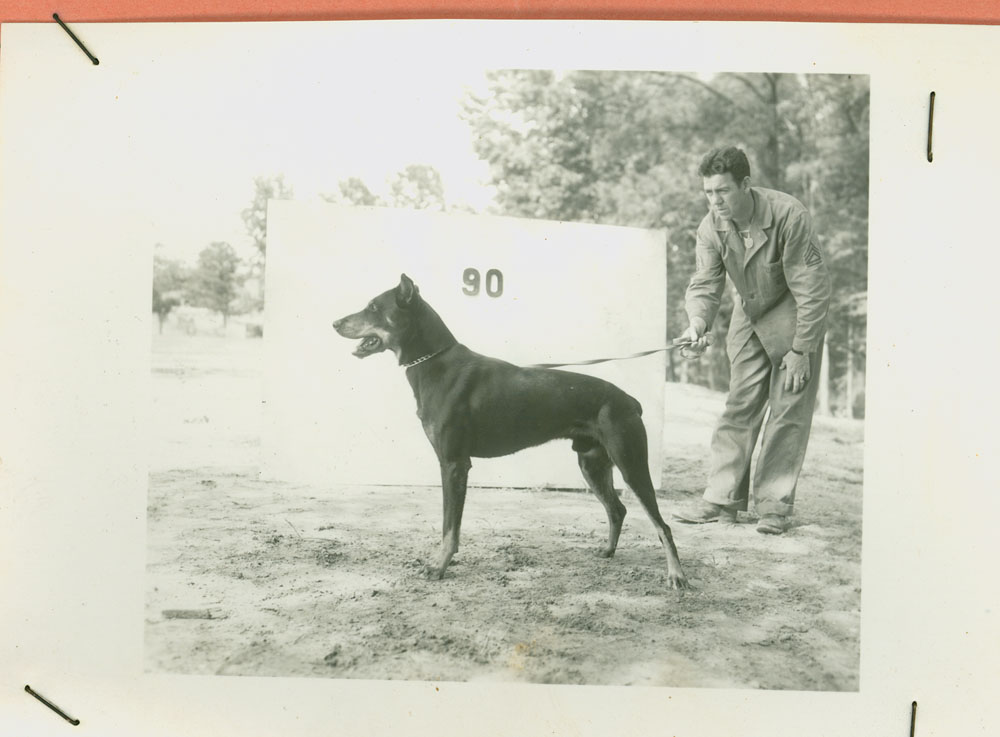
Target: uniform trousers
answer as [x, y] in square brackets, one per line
[757, 384]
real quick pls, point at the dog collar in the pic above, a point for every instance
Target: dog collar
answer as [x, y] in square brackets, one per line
[428, 357]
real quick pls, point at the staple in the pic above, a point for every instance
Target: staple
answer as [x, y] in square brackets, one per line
[930, 132]
[57, 19]
[56, 709]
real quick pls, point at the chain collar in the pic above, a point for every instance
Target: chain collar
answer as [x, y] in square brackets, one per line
[428, 357]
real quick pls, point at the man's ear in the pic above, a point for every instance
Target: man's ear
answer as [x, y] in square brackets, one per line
[406, 291]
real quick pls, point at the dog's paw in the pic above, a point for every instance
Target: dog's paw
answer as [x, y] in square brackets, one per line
[677, 581]
[605, 553]
[431, 573]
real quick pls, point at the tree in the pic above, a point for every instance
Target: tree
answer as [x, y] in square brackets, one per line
[168, 286]
[216, 281]
[418, 186]
[255, 216]
[354, 191]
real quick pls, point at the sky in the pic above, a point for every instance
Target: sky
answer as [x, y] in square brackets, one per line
[289, 115]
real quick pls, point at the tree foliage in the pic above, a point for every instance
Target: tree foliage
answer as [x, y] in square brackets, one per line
[623, 148]
[416, 186]
[255, 220]
[216, 280]
[169, 278]
[354, 191]
[255, 216]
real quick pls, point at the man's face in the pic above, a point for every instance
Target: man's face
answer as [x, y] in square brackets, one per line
[728, 198]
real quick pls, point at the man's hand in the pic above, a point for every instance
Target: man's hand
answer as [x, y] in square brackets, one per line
[696, 335]
[695, 338]
[797, 371]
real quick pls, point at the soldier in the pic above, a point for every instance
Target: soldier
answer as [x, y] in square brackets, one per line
[764, 241]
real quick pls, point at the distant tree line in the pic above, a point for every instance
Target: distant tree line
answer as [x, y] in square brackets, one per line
[214, 283]
[417, 186]
[623, 148]
[219, 279]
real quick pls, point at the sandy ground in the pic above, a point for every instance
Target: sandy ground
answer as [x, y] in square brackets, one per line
[262, 578]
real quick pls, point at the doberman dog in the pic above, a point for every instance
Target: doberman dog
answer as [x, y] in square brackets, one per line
[475, 406]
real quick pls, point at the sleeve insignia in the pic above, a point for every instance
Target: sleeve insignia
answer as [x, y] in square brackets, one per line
[813, 256]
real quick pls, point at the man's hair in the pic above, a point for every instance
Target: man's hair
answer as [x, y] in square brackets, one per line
[727, 159]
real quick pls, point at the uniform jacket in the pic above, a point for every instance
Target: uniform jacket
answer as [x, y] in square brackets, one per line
[782, 283]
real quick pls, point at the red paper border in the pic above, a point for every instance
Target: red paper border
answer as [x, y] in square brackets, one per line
[853, 11]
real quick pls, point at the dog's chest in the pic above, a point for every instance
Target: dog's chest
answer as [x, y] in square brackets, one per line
[429, 431]
[427, 410]
[437, 419]
[442, 405]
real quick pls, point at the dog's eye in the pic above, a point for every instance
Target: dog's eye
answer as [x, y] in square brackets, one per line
[372, 307]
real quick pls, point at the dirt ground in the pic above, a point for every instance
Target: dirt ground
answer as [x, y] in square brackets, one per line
[246, 577]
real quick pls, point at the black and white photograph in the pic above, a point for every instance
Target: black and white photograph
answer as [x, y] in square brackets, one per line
[467, 377]
[607, 426]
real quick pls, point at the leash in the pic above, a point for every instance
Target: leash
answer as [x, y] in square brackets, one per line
[693, 355]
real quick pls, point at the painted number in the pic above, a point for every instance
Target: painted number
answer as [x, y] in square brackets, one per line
[471, 279]
[494, 283]
[473, 282]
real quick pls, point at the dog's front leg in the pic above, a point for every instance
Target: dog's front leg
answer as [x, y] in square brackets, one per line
[454, 475]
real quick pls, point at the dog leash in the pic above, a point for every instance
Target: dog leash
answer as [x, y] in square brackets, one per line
[640, 354]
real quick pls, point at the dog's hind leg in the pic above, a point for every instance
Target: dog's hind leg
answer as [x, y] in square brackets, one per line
[625, 440]
[597, 471]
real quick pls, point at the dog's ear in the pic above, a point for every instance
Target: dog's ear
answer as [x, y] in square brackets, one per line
[406, 291]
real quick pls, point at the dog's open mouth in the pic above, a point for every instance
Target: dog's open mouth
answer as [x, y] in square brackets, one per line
[368, 345]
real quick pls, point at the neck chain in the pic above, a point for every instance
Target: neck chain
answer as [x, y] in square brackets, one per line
[423, 358]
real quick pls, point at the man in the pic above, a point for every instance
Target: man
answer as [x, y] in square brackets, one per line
[764, 241]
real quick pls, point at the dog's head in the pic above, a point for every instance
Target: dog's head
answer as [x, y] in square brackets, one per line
[383, 321]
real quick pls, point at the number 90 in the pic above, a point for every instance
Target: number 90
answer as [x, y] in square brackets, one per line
[473, 282]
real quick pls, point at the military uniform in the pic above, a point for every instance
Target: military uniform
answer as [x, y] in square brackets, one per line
[783, 290]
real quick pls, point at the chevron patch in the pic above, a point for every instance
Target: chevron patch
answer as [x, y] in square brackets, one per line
[813, 256]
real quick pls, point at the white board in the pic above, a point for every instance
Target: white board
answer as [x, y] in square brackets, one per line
[547, 292]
